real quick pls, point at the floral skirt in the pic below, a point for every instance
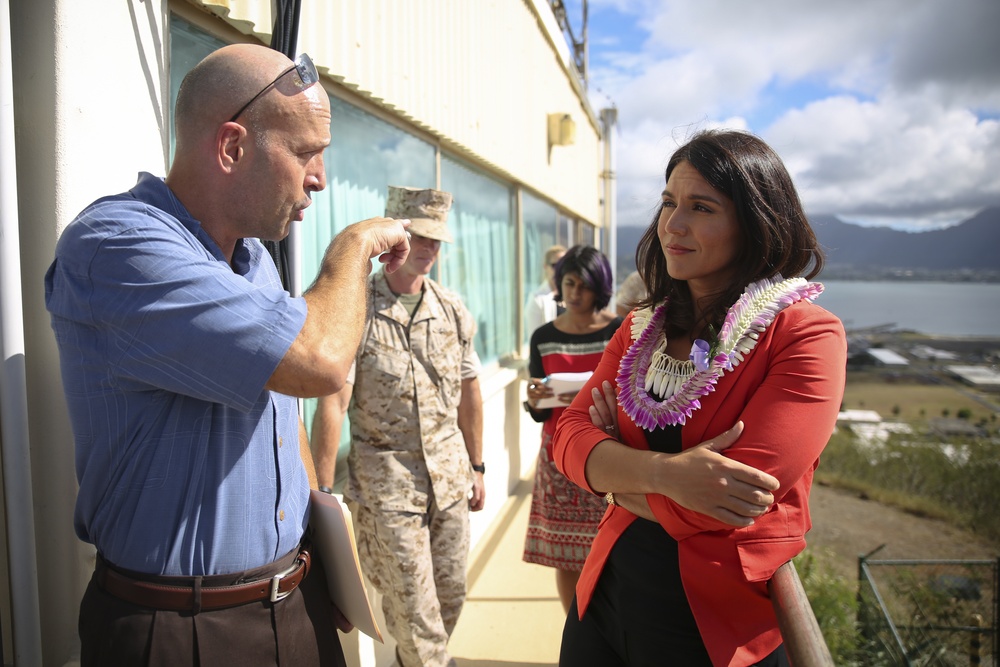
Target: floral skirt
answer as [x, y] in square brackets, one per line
[564, 517]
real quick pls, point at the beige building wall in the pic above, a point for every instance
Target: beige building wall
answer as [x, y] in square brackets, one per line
[91, 88]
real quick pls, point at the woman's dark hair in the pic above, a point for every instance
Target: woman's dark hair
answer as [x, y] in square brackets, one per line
[775, 235]
[594, 270]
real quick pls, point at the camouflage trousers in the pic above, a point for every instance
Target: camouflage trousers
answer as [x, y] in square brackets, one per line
[417, 561]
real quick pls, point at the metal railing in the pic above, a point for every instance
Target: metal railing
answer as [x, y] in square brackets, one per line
[800, 631]
[928, 613]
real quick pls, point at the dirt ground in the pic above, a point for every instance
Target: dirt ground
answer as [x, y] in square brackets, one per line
[846, 526]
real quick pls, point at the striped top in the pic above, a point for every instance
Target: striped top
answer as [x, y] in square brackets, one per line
[554, 351]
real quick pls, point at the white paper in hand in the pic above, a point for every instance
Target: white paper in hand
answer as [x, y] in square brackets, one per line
[333, 533]
[563, 383]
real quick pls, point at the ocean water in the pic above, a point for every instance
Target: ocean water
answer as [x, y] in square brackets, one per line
[948, 309]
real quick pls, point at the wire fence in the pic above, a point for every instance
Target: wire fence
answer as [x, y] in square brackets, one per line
[928, 613]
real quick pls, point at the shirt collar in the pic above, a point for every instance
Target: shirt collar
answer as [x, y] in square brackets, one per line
[153, 190]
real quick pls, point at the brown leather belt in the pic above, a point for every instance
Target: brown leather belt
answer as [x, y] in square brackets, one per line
[194, 597]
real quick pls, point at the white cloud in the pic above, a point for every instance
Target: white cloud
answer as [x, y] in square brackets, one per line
[894, 107]
[902, 157]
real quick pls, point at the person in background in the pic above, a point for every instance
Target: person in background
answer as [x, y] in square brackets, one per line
[630, 293]
[564, 517]
[415, 468]
[181, 358]
[705, 420]
[542, 306]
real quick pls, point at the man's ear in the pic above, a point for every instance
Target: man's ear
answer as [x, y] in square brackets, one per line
[229, 145]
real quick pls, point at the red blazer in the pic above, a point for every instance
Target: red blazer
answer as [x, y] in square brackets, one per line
[787, 391]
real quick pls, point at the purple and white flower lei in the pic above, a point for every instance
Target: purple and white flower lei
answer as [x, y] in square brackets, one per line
[752, 313]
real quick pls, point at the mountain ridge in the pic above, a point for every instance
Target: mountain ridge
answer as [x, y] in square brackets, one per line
[967, 251]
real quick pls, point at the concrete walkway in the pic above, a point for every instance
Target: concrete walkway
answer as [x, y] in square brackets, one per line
[512, 614]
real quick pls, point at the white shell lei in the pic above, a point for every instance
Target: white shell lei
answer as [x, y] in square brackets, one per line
[647, 374]
[667, 375]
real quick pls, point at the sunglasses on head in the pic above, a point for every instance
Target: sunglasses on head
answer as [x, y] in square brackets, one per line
[304, 69]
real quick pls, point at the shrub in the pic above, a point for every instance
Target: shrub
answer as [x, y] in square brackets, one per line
[834, 603]
[957, 482]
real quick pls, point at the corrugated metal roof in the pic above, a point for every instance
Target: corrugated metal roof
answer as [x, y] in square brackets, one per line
[977, 375]
[888, 357]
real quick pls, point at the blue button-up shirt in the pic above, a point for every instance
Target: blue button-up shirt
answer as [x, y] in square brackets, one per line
[187, 465]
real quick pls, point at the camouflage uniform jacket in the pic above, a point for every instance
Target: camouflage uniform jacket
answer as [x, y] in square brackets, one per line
[405, 440]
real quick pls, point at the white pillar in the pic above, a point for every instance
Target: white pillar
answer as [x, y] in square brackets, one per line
[20, 525]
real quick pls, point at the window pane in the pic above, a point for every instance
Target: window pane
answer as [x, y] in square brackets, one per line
[566, 234]
[366, 156]
[188, 45]
[539, 220]
[480, 264]
[587, 234]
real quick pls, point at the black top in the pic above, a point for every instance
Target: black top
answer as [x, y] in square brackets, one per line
[644, 569]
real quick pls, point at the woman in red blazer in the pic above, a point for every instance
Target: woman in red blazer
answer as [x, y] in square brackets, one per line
[705, 420]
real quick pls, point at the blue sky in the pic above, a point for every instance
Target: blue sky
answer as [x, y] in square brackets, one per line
[886, 112]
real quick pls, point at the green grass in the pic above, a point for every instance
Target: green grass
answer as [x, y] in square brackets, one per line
[918, 475]
[914, 403]
[916, 472]
[834, 603]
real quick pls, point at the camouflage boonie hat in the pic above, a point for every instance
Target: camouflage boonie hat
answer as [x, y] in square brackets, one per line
[427, 211]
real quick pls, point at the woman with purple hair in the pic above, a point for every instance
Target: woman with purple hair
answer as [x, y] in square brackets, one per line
[564, 517]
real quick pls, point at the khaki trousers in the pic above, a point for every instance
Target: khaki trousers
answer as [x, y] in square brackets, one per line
[417, 561]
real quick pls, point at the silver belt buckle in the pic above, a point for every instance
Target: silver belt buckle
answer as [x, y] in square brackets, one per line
[276, 595]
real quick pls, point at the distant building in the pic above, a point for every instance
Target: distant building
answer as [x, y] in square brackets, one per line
[980, 377]
[858, 417]
[868, 427]
[886, 357]
[932, 354]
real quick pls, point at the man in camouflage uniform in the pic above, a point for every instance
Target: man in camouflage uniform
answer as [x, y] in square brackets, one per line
[415, 465]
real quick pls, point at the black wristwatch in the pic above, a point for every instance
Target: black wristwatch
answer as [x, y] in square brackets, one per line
[481, 468]
[326, 489]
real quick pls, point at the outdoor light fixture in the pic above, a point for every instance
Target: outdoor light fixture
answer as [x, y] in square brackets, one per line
[562, 129]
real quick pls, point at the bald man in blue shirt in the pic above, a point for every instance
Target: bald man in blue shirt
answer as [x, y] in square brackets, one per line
[182, 357]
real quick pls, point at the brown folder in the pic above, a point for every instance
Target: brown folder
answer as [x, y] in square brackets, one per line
[333, 533]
